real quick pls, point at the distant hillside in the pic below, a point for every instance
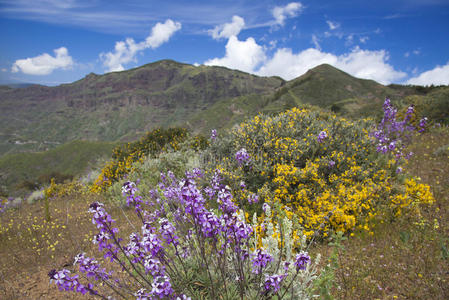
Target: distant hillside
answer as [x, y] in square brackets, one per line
[119, 105]
[16, 85]
[72, 159]
[124, 105]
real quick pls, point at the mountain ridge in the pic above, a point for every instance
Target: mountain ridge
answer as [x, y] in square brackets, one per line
[123, 105]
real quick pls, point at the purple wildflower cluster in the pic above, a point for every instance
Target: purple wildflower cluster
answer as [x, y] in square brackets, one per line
[178, 229]
[213, 134]
[393, 135]
[322, 136]
[242, 157]
[65, 282]
[273, 283]
[422, 124]
[261, 260]
[253, 198]
[301, 261]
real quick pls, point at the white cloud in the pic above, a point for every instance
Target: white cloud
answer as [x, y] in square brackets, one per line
[414, 52]
[333, 25]
[44, 64]
[126, 51]
[359, 63]
[437, 76]
[363, 39]
[288, 65]
[228, 29]
[315, 42]
[281, 13]
[242, 55]
[161, 33]
[349, 40]
[369, 65]
[4, 70]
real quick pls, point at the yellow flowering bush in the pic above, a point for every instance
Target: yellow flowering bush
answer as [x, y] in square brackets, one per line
[314, 167]
[409, 200]
[64, 189]
[152, 144]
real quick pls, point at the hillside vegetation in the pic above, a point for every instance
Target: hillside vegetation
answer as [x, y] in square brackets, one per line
[24, 172]
[124, 105]
[119, 105]
[315, 187]
[304, 179]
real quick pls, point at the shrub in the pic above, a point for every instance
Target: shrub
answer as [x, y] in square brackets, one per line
[310, 165]
[151, 145]
[35, 196]
[147, 172]
[189, 250]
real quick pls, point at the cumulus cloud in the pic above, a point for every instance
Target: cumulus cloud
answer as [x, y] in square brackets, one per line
[44, 64]
[126, 51]
[242, 55]
[360, 63]
[228, 29]
[288, 65]
[281, 13]
[437, 76]
[333, 25]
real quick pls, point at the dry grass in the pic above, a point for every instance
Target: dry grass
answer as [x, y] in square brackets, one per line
[30, 246]
[407, 259]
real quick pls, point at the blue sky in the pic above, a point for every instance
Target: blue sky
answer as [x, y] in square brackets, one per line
[59, 41]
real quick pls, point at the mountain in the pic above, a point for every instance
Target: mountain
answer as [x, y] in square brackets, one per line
[323, 86]
[119, 105]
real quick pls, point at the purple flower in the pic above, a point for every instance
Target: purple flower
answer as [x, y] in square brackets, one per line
[168, 232]
[91, 267]
[213, 134]
[153, 266]
[392, 146]
[161, 287]
[242, 156]
[301, 261]
[331, 163]
[422, 124]
[260, 260]
[69, 283]
[150, 241]
[210, 224]
[322, 136]
[129, 188]
[265, 206]
[242, 230]
[399, 170]
[253, 198]
[273, 283]
[142, 294]
[242, 185]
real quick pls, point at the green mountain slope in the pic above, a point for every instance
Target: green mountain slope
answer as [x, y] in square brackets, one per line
[118, 106]
[72, 158]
